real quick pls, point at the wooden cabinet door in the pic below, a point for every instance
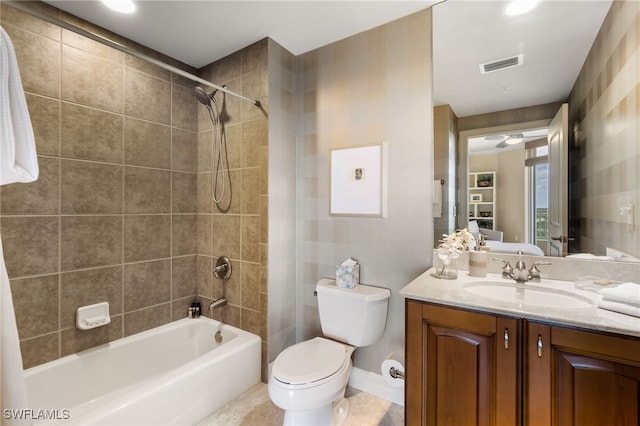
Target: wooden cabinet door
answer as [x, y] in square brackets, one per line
[597, 378]
[463, 366]
[580, 378]
[537, 381]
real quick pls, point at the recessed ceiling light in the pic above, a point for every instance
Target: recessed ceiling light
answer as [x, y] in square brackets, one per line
[518, 7]
[122, 6]
[514, 139]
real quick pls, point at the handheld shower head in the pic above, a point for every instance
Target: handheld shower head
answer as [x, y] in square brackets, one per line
[205, 97]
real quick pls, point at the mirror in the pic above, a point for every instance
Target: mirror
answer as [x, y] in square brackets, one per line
[601, 93]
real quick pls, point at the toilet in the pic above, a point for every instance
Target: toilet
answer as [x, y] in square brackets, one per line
[308, 379]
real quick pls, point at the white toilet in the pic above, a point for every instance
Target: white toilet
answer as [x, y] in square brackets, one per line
[308, 379]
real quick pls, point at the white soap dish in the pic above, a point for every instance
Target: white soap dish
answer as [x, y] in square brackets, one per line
[92, 316]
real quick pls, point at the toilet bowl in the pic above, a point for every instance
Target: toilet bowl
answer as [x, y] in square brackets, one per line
[308, 380]
[308, 377]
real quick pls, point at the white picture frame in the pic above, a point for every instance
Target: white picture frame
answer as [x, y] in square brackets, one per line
[475, 198]
[358, 181]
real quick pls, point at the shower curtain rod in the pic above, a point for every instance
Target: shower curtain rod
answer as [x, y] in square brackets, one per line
[118, 46]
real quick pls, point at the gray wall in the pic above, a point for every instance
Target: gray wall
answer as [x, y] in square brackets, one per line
[373, 87]
[604, 112]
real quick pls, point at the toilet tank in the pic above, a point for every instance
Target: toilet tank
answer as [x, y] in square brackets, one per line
[355, 316]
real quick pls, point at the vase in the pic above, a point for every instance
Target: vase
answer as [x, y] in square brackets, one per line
[446, 265]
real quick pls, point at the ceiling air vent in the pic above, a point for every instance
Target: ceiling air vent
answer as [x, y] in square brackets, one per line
[501, 64]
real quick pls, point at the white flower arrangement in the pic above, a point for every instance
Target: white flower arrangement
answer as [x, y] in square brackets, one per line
[457, 242]
[450, 248]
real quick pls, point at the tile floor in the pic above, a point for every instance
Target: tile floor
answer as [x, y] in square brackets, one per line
[253, 408]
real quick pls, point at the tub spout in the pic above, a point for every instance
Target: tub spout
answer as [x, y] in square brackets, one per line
[218, 303]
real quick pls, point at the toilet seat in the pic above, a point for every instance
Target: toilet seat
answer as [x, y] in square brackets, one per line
[309, 362]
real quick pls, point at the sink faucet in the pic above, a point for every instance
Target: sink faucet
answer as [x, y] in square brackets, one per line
[218, 303]
[520, 273]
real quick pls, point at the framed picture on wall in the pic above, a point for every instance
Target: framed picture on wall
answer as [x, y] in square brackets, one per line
[358, 181]
[475, 198]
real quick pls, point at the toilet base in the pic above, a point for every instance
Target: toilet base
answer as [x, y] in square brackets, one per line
[334, 414]
[340, 411]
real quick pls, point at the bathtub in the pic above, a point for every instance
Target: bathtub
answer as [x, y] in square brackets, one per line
[173, 374]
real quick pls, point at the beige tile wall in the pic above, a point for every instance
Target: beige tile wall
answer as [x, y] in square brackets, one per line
[114, 213]
[236, 228]
[604, 107]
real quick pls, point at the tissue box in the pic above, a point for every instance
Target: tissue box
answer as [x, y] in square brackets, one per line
[348, 274]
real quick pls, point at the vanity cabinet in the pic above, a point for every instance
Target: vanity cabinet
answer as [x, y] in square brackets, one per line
[461, 367]
[576, 377]
[470, 368]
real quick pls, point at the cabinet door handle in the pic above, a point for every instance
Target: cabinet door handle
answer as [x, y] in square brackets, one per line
[539, 345]
[506, 338]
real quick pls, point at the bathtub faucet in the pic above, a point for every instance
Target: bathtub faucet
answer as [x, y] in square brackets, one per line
[218, 303]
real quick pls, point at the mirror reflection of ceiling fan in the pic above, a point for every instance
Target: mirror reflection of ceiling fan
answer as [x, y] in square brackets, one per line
[510, 139]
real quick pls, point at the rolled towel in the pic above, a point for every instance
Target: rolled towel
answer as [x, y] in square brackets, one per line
[628, 293]
[622, 308]
[18, 159]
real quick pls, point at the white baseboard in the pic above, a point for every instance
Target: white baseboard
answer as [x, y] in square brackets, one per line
[376, 385]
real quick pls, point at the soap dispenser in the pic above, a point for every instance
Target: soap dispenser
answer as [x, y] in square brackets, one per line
[478, 261]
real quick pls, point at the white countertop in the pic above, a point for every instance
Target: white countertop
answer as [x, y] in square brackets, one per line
[454, 293]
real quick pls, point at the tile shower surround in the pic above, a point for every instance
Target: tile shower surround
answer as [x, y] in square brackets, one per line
[120, 211]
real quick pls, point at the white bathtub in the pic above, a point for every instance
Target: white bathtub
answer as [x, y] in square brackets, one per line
[174, 374]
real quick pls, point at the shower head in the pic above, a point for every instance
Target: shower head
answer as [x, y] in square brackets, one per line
[205, 97]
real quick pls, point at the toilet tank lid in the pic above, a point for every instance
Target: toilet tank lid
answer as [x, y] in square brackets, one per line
[365, 292]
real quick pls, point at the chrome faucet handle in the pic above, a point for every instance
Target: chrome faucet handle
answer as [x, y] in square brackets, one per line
[507, 270]
[520, 265]
[534, 272]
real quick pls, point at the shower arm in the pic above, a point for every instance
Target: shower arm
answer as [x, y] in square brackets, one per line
[124, 49]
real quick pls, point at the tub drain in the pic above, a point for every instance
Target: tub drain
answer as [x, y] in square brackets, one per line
[218, 337]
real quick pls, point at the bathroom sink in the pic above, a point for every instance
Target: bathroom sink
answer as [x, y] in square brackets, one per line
[528, 295]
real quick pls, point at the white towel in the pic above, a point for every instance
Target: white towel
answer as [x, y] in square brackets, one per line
[628, 293]
[18, 160]
[622, 308]
[437, 198]
[18, 163]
